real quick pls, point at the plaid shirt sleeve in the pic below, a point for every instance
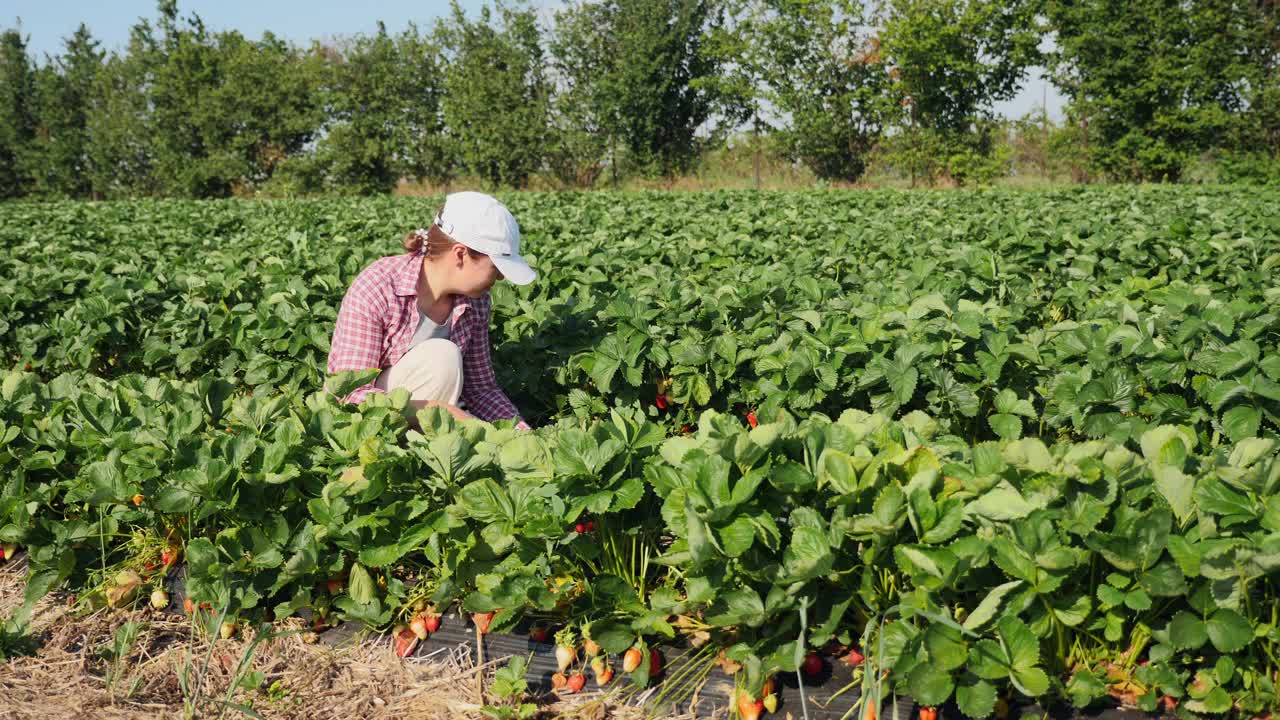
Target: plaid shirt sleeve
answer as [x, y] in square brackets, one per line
[480, 388]
[359, 333]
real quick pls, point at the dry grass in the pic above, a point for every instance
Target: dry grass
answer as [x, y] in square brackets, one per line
[71, 677]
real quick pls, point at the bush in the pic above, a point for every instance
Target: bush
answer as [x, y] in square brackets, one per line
[1248, 168]
[969, 166]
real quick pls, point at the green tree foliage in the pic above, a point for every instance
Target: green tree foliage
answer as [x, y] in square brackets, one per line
[821, 67]
[119, 121]
[952, 61]
[225, 110]
[644, 79]
[17, 116]
[497, 95]
[186, 130]
[1159, 81]
[646, 87]
[384, 98]
[267, 106]
[64, 94]
[584, 126]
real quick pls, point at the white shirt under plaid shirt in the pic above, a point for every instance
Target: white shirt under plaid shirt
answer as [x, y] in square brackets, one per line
[379, 316]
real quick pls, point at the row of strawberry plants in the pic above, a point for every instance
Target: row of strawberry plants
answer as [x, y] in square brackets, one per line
[1065, 315]
[960, 570]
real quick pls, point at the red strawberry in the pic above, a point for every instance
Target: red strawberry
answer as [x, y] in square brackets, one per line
[482, 621]
[433, 623]
[591, 526]
[749, 709]
[752, 420]
[812, 665]
[660, 401]
[655, 662]
[539, 634]
[580, 528]
[405, 641]
[854, 658]
[686, 429]
[576, 682]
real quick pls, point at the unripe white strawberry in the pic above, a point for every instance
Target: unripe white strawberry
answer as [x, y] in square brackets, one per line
[565, 656]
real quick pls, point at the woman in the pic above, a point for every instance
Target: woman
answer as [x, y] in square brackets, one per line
[423, 317]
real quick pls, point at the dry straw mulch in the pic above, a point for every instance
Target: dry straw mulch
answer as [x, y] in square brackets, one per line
[72, 675]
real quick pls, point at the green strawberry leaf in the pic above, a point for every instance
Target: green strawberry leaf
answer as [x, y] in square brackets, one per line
[976, 698]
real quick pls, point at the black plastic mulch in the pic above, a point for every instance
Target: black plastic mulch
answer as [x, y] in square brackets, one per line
[825, 697]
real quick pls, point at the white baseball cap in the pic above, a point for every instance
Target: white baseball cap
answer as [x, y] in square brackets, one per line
[485, 225]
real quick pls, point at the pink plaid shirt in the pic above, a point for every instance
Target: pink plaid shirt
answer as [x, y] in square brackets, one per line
[378, 317]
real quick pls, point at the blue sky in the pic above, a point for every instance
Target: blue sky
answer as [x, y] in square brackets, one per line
[47, 23]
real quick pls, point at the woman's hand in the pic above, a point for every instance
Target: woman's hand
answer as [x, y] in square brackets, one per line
[457, 412]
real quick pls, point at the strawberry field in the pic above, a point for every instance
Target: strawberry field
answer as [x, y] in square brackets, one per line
[982, 446]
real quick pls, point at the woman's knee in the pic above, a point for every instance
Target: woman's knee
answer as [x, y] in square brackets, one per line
[431, 370]
[445, 354]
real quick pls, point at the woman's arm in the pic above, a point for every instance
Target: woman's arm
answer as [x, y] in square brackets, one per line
[453, 410]
[359, 334]
[480, 388]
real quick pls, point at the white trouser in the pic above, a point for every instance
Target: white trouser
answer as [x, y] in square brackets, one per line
[432, 370]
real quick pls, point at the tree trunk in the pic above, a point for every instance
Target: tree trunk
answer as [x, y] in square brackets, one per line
[755, 161]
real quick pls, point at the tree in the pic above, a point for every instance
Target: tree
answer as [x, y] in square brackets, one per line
[821, 67]
[1161, 81]
[385, 113]
[264, 108]
[583, 118]
[1264, 104]
[17, 115]
[952, 60]
[224, 111]
[739, 82]
[497, 96]
[64, 94]
[425, 150]
[186, 131]
[121, 157]
[641, 73]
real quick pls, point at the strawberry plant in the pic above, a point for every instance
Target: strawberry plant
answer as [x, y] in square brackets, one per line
[977, 446]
